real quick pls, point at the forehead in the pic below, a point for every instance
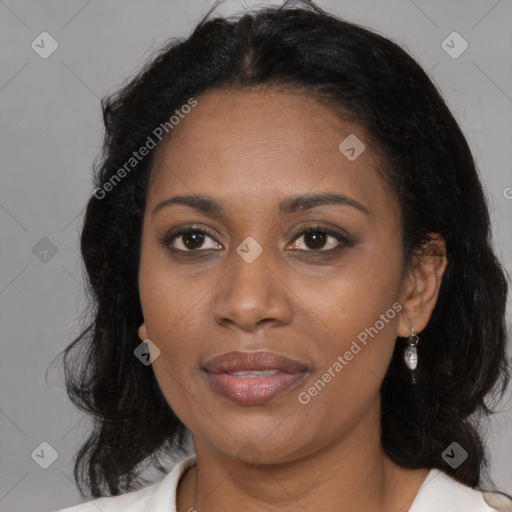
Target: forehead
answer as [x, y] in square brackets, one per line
[253, 146]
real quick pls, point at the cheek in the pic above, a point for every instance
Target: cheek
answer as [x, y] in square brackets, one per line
[359, 311]
[352, 366]
[172, 318]
[354, 298]
[169, 294]
[168, 309]
[171, 321]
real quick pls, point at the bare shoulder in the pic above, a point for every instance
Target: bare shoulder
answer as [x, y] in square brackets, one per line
[498, 501]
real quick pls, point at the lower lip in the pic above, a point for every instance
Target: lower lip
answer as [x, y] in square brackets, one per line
[253, 390]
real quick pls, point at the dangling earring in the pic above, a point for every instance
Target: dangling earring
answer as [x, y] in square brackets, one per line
[411, 354]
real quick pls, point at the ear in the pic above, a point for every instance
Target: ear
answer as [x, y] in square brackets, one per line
[143, 332]
[421, 284]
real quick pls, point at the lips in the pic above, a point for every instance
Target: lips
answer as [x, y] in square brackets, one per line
[243, 361]
[251, 378]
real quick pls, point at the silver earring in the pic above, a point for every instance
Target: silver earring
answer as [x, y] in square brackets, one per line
[411, 354]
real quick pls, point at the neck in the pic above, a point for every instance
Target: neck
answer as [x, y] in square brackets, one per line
[351, 469]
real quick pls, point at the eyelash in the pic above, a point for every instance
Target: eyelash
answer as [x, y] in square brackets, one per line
[167, 239]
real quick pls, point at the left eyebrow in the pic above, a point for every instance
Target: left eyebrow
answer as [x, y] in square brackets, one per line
[288, 205]
[309, 201]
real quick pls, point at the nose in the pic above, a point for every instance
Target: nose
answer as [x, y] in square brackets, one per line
[253, 294]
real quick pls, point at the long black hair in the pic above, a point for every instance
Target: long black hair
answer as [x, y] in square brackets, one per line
[427, 162]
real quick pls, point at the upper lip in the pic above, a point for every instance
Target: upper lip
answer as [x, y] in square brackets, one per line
[262, 360]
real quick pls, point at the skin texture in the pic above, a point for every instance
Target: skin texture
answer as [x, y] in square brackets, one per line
[249, 150]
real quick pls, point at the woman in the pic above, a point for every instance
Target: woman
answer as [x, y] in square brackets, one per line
[288, 249]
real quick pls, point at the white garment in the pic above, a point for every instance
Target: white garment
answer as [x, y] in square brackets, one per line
[439, 493]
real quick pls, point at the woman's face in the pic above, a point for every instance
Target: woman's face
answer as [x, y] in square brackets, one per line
[247, 278]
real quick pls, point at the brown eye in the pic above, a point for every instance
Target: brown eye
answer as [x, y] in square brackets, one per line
[189, 240]
[192, 239]
[316, 238]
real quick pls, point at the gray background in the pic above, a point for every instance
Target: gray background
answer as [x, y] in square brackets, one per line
[51, 132]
